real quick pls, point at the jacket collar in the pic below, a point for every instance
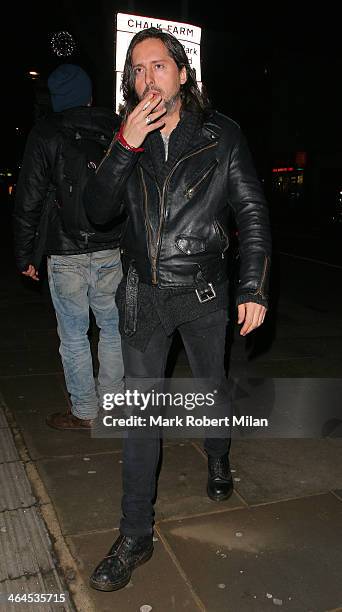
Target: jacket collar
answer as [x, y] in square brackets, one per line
[193, 132]
[210, 128]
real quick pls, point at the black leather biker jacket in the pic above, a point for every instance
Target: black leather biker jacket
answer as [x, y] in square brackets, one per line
[36, 221]
[214, 176]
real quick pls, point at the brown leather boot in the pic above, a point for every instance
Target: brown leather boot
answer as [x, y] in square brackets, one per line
[60, 420]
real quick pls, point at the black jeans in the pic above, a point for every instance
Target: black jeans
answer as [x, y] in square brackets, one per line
[204, 342]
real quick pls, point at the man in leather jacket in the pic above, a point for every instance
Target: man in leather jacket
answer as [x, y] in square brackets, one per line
[82, 272]
[178, 168]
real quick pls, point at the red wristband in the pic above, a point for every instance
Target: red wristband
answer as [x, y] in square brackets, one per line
[124, 142]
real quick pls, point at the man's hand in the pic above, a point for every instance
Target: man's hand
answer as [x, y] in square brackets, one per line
[31, 272]
[251, 315]
[143, 120]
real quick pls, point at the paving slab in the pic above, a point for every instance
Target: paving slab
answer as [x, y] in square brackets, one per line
[44, 441]
[39, 583]
[270, 470]
[29, 361]
[295, 350]
[182, 484]
[157, 583]
[8, 451]
[284, 554]
[296, 407]
[31, 399]
[33, 392]
[86, 493]
[3, 422]
[24, 544]
[14, 486]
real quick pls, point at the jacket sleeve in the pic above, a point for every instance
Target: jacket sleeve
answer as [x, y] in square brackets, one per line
[31, 193]
[105, 190]
[252, 219]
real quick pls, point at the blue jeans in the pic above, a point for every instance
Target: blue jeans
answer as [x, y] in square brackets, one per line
[77, 283]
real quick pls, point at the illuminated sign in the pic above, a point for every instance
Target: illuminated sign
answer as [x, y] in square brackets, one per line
[282, 169]
[127, 25]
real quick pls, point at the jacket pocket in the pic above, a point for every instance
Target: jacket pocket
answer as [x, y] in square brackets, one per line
[222, 235]
[191, 189]
[190, 245]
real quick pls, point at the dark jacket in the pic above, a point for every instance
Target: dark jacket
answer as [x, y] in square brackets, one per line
[184, 239]
[37, 222]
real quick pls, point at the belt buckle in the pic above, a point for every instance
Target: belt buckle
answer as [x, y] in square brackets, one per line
[205, 295]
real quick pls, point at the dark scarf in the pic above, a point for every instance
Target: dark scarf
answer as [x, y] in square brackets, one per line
[179, 141]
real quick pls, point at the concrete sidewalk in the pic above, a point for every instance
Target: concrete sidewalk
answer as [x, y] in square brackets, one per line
[275, 544]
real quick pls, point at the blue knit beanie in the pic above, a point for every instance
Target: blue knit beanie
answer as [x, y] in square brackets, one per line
[69, 86]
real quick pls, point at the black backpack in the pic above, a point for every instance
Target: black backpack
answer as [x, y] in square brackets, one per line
[79, 154]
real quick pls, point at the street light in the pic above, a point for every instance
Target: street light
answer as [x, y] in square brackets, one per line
[33, 74]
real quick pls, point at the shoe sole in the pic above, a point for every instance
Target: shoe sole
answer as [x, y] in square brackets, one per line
[220, 498]
[68, 428]
[120, 585]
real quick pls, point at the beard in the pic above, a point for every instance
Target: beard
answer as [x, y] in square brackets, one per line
[169, 103]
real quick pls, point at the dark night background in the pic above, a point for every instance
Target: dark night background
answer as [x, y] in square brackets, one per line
[278, 75]
[276, 70]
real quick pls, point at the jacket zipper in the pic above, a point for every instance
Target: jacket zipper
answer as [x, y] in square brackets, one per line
[259, 290]
[162, 206]
[148, 227]
[189, 191]
[107, 155]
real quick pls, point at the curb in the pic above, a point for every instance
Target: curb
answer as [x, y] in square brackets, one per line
[66, 562]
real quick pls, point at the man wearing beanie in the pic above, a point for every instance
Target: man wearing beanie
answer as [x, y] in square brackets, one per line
[69, 87]
[83, 269]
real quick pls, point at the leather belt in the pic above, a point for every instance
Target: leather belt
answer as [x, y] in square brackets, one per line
[205, 291]
[131, 305]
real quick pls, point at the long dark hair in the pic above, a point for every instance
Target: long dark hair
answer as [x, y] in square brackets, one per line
[193, 99]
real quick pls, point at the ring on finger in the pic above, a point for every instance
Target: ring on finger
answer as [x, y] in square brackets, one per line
[148, 120]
